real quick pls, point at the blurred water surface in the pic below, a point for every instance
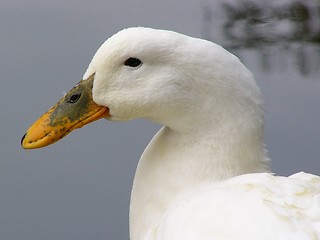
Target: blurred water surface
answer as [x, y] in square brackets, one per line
[79, 188]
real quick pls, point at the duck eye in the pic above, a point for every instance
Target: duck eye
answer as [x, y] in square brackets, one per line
[132, 62]
[74, 98]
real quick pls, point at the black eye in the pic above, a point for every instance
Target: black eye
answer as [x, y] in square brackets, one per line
[74, 98]
[132, 62]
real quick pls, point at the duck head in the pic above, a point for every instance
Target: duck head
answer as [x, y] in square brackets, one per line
[172, 79]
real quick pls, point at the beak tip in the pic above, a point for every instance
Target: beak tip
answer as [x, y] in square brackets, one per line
[23, 139]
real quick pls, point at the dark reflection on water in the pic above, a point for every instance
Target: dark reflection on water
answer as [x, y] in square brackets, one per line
[289, 28]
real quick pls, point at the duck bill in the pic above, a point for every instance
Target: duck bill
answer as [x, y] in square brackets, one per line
[73, 111]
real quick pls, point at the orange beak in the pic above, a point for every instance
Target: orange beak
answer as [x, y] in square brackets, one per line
[73, 111]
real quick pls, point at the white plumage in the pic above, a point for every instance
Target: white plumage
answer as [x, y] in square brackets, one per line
[250, 206]
[189, 182]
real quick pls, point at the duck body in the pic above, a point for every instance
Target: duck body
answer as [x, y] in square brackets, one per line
[249, 206]
[205, 174]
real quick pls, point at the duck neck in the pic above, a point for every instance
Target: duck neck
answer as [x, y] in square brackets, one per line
[176, 162]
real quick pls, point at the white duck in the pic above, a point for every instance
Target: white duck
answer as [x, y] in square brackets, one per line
[189, 183]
